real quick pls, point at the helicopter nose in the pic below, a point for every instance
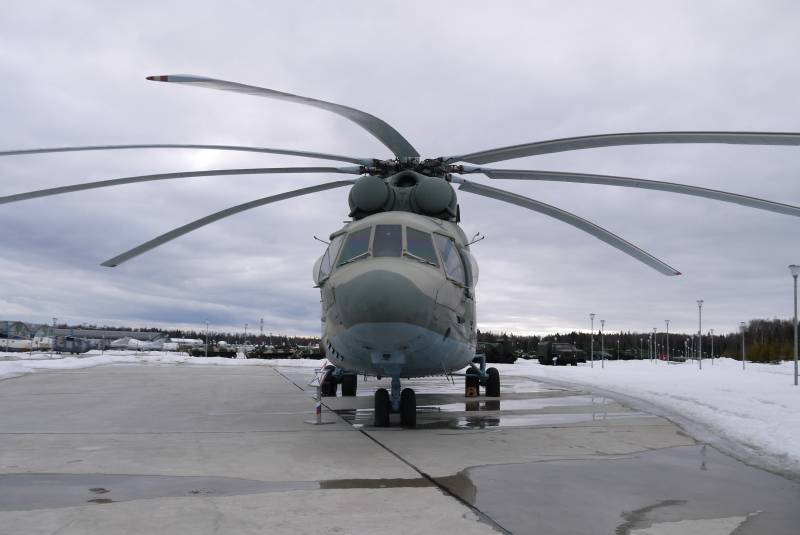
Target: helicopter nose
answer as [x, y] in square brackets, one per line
[386, 296]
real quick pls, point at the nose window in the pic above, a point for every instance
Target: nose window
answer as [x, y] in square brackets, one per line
[388, 241]
[420, 246]
[356, 246]
[329, 258]
[453, 265]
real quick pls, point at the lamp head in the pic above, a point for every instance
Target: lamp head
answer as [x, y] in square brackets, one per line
[795, 269]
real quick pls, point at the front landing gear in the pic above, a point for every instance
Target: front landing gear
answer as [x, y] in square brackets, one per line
[404, 402]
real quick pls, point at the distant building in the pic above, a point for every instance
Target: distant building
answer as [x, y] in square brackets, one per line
[22, 336]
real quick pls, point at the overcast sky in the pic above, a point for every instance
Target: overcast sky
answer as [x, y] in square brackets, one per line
[452, 77]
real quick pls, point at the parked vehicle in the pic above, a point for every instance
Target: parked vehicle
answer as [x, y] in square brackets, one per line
[559, 354]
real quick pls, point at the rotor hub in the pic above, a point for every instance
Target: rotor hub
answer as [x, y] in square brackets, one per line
[433, 167]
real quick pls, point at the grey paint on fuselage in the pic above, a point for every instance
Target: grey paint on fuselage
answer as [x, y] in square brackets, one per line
[398, 316]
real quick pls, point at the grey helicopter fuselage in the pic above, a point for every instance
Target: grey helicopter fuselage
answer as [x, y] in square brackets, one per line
[398, 296]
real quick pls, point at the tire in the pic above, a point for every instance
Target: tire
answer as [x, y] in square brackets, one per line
[349, 385]
[383, 407]
[493, 383]
[472, 380]
[408, 408]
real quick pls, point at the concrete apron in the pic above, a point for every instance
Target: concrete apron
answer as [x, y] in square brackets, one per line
[224, 449]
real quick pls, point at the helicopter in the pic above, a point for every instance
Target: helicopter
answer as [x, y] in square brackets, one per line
[397, 281]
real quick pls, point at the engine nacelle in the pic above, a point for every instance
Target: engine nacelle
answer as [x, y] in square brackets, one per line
[406, 191]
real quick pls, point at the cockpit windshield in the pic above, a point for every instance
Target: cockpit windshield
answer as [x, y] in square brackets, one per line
[420, 246]
[453, 265]
[388, 240]
[326, 266]
[356, 246]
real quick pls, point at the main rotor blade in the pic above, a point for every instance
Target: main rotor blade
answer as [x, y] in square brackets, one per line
[377, 127]
[616, 140]
[558, 176]
[571, 219]
[167, 176]
[194, 225]
[319, 155]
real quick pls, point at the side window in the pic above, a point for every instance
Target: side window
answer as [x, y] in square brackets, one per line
[419, 245]
[326, 266]
[356, 246]
[453, 265]
[388, 241]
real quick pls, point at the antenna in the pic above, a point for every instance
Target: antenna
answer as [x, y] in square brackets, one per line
[476, 239]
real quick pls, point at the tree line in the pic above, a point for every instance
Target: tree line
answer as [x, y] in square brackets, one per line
[765, 341]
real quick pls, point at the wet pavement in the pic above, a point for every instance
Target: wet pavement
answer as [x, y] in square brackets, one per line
[176, 449]
[677, 489]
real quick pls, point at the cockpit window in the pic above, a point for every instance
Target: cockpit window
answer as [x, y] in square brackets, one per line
[453, 265]
[329, 258]
[356, 246]
[388, 241]
[420, 246]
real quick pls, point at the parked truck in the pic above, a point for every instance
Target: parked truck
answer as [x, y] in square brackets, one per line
[559, 354]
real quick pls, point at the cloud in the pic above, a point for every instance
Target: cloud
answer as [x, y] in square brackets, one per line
[452, 78]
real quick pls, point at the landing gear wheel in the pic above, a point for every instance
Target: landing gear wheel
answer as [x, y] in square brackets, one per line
[471, 383]
[383, 406]
[328, 385]
[349, 385]
[492, 383]
[408, 408]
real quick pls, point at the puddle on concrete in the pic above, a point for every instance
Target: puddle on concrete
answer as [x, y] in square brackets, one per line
[483, 418]
[537, 403]
[24, 492]
[688, 486]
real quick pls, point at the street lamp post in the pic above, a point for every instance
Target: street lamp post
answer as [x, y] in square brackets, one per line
[655, 345]
[53, 340]
[744, 355]
[711, 337]
[602, 344]
[795, 272]
[591, 343]
[700, 332]
[667, 322]
[206, 338]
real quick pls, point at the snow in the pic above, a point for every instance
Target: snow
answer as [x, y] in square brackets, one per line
[753, 414]
[24, 363]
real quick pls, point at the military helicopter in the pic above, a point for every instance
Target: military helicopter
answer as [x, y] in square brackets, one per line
[397, 282]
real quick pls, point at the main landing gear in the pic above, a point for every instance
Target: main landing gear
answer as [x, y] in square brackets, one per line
[404, 402]
[331, 378]
[477, 376]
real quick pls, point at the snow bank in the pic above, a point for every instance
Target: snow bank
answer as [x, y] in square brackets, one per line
[756, 411]
[23, 363]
